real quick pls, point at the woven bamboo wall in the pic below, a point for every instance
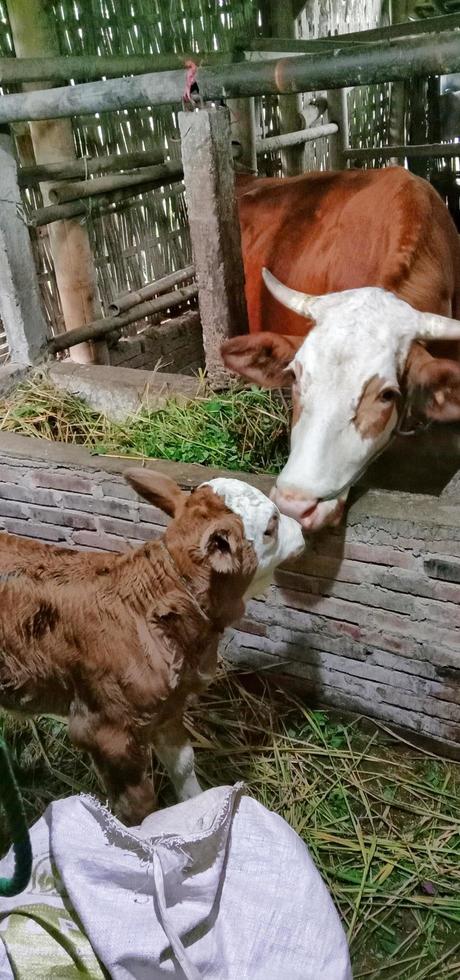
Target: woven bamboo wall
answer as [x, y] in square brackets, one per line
[148, 235]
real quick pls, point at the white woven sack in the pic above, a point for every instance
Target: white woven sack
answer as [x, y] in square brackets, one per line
[217, 888]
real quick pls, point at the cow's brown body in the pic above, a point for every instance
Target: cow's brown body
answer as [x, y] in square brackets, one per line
[326, 232]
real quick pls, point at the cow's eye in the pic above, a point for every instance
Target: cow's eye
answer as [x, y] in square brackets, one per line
[272, 527]
[389, 395]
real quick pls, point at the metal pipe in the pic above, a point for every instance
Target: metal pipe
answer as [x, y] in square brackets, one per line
[365, 66]
[100, 328]
[293, 139]
[151, 289]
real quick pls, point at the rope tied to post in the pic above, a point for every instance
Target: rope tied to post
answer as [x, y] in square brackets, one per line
[191, 94]
[17, 826]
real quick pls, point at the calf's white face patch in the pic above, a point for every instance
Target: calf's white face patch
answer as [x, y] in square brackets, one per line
[274, 537]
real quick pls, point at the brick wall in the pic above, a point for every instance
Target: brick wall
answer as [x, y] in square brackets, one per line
[178, 343]
[368, 620]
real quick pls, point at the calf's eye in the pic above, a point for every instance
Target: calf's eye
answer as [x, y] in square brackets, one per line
[272, 527]
[388, 395]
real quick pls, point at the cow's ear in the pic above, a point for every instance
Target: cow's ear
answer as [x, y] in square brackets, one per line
[438, 381]
[262, 358]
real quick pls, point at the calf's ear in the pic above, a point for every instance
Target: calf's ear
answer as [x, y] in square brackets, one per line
[438, 381]
[222, 546]
[262, 357]
[159, 490]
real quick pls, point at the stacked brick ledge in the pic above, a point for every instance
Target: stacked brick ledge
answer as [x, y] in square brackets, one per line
[367, 621]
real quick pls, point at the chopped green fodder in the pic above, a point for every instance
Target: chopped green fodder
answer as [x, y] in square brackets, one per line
[239, 429]
[381, 819]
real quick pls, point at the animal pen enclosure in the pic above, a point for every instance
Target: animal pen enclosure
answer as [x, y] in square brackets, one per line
[369, 620]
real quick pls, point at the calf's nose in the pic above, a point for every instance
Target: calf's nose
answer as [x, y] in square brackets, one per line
[292, 505]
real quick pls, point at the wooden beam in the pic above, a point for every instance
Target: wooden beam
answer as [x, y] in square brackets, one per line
[281, 19]
[413, 28]
[151, 289]
[154, 176]
[99, 204]
[80, 169]
[425, 151]
[368, 65]
[80, 68]
[106, 325]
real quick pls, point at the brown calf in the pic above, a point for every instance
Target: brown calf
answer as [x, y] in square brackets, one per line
[117, 644]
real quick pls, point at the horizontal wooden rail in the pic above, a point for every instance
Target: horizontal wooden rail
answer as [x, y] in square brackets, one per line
[151, 289]
[386, 152]
[81, 169]
[370, 64]
[272, 143]
[80, 68]
[100, 328]
[82, 189]
[412, 28]
[101, 203]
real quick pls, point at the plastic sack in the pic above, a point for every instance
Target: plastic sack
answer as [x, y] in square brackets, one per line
[217, 888]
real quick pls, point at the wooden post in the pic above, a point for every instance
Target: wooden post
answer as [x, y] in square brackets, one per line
[34, 34]
[243, 129]
[20, 306]
[214, 229]
[283, 25]
[337, 112]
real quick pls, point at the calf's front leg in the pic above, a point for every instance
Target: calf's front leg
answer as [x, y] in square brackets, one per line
[173, 748]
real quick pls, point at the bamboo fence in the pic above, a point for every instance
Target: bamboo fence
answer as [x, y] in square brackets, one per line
[146, 237]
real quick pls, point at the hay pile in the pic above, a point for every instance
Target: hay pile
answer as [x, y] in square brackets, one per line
[240, 429]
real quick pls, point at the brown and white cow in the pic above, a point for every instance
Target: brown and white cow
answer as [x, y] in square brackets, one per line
[364, 271]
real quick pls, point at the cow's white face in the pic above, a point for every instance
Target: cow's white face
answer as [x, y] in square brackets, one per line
[346, 395]
[349, 383]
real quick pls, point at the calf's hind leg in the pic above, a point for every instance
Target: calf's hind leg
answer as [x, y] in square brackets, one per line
[122, 762]
[173, 748]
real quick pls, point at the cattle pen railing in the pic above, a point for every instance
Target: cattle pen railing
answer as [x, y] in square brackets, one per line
[334, 63]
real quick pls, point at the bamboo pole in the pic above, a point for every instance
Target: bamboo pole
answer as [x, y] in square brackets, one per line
[104, 326]
[429, 25]
[281, 19]
[34, 33]
[155, 176]
[151, 289]
[92, 206]
[292, 139]
[80, 169]
[416, 56]
[79, 68]
[419, 151]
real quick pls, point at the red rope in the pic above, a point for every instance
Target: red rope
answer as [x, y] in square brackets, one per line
[190, 79]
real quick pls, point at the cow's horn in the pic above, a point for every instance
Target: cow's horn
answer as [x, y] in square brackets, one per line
[436, 327]
[301, 303]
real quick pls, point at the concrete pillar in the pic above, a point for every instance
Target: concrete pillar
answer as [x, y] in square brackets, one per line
[214, 229]
[20, 305]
